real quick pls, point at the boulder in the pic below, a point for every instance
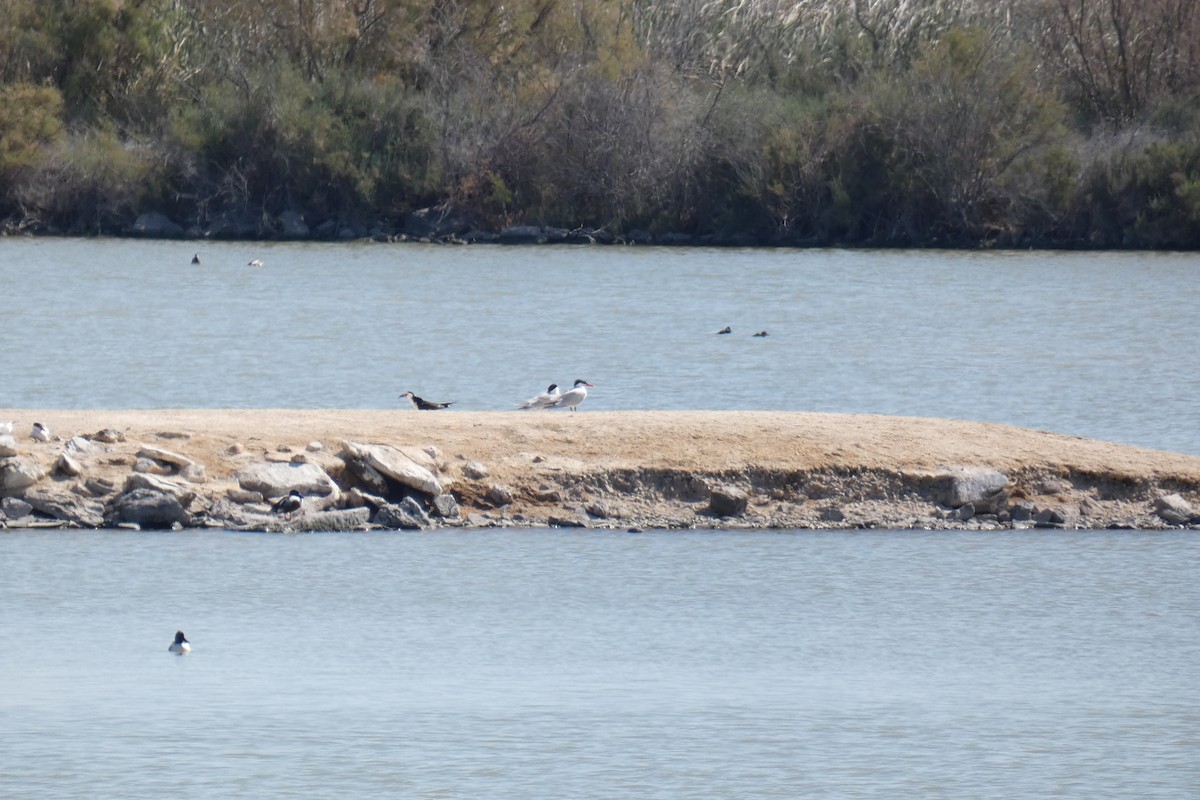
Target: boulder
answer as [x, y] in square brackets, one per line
[164, 456]
[982, 487]
[81, 511]
[475, 470]
[78, 444]
[407, 466]
[8, 446]
[155, 483]
[499, 495]
[274, 479]
[405, 515]
[68, 465]
[832, 514]
[1173, 509]
[149, 466]
[727, 501]
[155, 225]
[149, 509]
[436, 222]
[18, 473]
[446, 507]
[15, 508]
[566, 521]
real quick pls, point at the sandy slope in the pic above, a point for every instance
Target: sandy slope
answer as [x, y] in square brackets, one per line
[538, 451]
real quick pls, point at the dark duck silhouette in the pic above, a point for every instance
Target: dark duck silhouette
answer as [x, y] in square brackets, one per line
[426, 405]
[724, 330]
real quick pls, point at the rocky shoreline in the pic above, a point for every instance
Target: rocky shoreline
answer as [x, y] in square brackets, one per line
[375, 470]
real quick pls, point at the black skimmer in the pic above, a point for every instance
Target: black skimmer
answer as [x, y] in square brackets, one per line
[181, 646]
[255, 263]
[571, 399]
[286, 505]
[544, 399]
[196, 258]
[426, 405]
[762, 333]
[725, 330]
[40, 432]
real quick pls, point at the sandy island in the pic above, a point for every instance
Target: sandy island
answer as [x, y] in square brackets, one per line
[620, 470]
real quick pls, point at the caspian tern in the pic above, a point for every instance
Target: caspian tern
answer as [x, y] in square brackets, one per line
[425, 405]
[181, 646]
[544, 399]
[574, 397]
[40, 432]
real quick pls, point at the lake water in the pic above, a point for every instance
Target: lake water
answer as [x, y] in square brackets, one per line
[542, 664]
[1102, 345]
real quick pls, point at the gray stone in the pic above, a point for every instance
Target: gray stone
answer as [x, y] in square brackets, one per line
[108, 436]
[1023, 511]
[15, 508]
[371, 478]
[81, 511]
[149, 509]
[566, 521]
[98, 487]
[832, 514]
[499, 495]
[1173, 509]
[194, 473]
[965, 512]
[164, 456]
[314, 446]
[727, 501]
[446, 506]
[274, 479]
[18, 473]
[405, 515]
[980, 486]
[67, 465]
[357, 498]
[475, 471]
[408, 466]
[149, 466]
[156, 483]
[522, 234]
[601, 510]
[78, 444]
[244, 497]
[8, 446]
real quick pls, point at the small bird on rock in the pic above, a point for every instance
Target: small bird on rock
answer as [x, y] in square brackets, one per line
[286, 505]
[426, 405]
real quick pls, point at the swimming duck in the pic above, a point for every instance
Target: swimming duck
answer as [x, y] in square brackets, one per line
[181, 646]
[725, 330]
[762, 333]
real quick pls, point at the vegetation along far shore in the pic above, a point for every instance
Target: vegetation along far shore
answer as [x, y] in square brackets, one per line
[963, 123]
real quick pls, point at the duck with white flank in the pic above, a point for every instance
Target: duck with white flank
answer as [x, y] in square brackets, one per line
[571, 399]
[181, 646]
[258, 262]
[40, 432]
[286, 505]
[426, 405]
[544, 399]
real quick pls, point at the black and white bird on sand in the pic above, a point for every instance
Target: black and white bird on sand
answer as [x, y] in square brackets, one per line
[426, 405]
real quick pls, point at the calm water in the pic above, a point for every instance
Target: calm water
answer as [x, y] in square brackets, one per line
[523, 664]
[1101, 345]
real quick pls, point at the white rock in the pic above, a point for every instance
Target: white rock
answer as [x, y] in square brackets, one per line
[19, 472]
[408, 466]
[314, 446]
[275, 479]
[78, 444]
[165, 456]
[8, 446]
